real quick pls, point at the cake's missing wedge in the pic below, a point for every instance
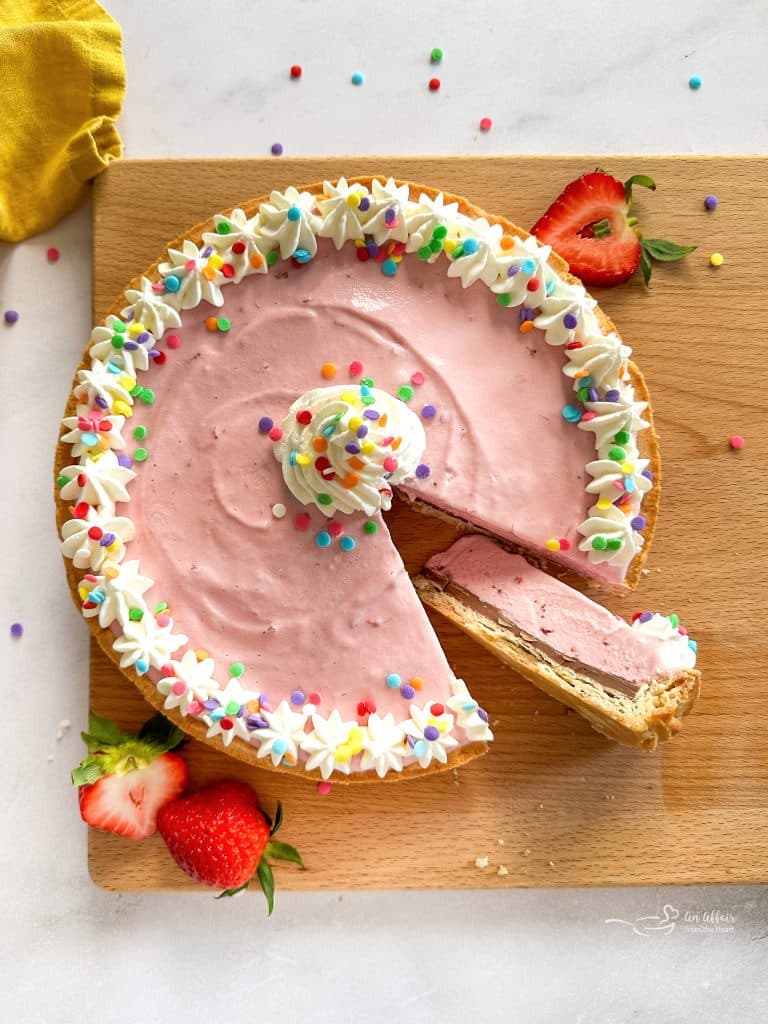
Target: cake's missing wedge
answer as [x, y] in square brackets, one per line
[634, 683]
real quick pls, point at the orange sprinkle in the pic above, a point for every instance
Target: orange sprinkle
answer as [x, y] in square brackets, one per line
[525, 326]
[254, 706]
[383, 420]
[350, 480]
[506, 242]
[201, 655]
[396, 443]
[328, 370]
[356, 463]
[212, 324]
[580, 374]
[256, 260]
[417, 682]
[209, 273]
[319, 444]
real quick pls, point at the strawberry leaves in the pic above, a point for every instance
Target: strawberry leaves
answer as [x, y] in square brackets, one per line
[662, 251]
[637, 179]
[267, 880]
[112, 750]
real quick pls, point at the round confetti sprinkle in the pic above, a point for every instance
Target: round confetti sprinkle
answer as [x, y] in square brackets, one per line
[436, 55]
[736, 442]
[324, 787]
[428, 412]
[295, 70]
[304, 416]
[335, 529]
[393, 681]
[638, 523]
[323, 539]
[141, 455]
[279, 510]
[405, 392]
[172, 283]
[17, 630]
[211, 323]
[485, 124]
[552, 545]
[223, 324]
[347, 543]
[434, 84]
[52, 254]
[358, 78]
[716, 259]
[355, 368]
[297, 698]
[265, 424]
[301, 522]
[407, 692]
[571, 414]
[314, 698]
[275, 434]
[710, 202]
[423, 471]
[236, 669]
[694, 82]
[431, 733]
[173, 341]
[417, 378]
[389, 267]
[276, 149]
[370, 527]
[10, 316]
[328, 370]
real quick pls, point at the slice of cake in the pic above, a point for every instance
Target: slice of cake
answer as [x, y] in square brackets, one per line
[632, 682]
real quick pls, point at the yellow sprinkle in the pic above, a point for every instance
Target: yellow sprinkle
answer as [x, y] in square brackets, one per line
[215, 261]
[449, 245]
[716, 259]
[115, 545]
[343, 753]
[201, 654]
[355, 740]
[83, 592]
[604, 503]
[349, 397]
[355, 422]
[129, 383]
[627, 468]
[442, 725]
[135, 329]
[303, 460]
[122, 409]
[103, 443]
[367, 447]
[110, 571]
[552, 545]
[432, 720]
[95, 456]
[353, 200]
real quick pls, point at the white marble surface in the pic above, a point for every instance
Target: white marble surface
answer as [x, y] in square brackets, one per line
[211, 79]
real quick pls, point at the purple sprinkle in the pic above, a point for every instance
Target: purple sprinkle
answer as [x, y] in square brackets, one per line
[211, 704]
[153, 352]
[129, 315]
[638, 523]
[407, 692]
[593, 395]
[352, 448]
[373, 249]
[648, 474]
[422, 471]
[208, 251]
[431, 733]
[611, 396]
[11, 316]
[646, 616]
[411, 741]
[125, 461]
[570, 321]
[277, 149]
[107, 539]
[429, 412]
[530, 314]
[241, 711]
[710, 202]
[365, 204]
[371, 414]
[362, 431]
[265, 424]
[131, 346]
[144, 337]
[297, 698]
[483, 714]
[256, 722]
[101, 402]
[514, 269]
[17, 630]
[390, 217]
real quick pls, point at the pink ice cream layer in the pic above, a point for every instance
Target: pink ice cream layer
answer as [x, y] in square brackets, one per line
[555, 614]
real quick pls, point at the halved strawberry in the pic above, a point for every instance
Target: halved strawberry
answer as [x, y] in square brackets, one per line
[590, 227]
[125, 780]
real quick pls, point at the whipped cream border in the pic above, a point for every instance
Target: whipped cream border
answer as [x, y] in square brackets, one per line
[288, 225]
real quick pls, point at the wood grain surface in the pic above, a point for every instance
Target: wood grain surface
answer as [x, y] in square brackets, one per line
[553, 802]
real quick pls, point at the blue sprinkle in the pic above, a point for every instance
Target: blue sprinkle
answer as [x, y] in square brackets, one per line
[172, 283]
[88, 438]
[323, 539]
[358, 78]
[629, 484]
[142, 666]
[694, 82]
[218, 714]
[327, 431]
[347, 543]
[549, 287]
[693, 645]
[294, 213]
[279, 746]
[528, 266]
[97, 596]
[302, 256]
[393, 681]
[292, 458]
[365, 390]
[114, 368]
[420, 748]
[571, 414]
[469, 246]
[389, 268]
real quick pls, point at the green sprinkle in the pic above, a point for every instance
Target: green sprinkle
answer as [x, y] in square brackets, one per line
[436, 55]
[457, 252]
[367, 381]
[117, 341]
[223, 324]
[617, 454]
[147, 396]
[140, 455]
[622, 437]
[222, 227]
[614, 543]
[675, 620]
[503, 299]
[160, 608]
[236, 669]
[135, 614]
[136, 390]
[232, 708]
[139, 433]
[440, 232]
[119, 326]
[272, 258]
[424, 252]
[583, 394]
[436, 246]
[324, 499]
[62, 481]
[599, 543]
[368, 399]
[370, 527]
[405, 392]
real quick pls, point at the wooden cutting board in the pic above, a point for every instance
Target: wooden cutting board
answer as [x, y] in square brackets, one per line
[553, 802]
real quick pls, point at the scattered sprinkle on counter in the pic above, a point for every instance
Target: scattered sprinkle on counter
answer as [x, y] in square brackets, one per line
[434, 84]
[10, 316]
[736, 442]
[52, 254]
[694, 82]
[485, 124]
[276, 149]
[716, 259]
[710, 202]
[358, 78]
[436, 55]
[296, 70]
[17, 630]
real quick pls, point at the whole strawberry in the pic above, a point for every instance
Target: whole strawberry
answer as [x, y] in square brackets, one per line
[125, 780]
[590, 226]
[221, 837]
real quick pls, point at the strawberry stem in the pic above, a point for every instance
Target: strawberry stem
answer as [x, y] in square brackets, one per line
[601, 228]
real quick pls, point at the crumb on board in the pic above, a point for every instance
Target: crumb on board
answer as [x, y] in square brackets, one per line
[481, 863]
[502, 870]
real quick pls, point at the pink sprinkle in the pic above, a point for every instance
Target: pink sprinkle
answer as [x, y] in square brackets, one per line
[390, 464]
[335, 529]
[158, 288]
[53, 254]
[485, 124]
[355, 368]
[173, 341]
[163, 620]
[736, 442]
[324, 788]
[194, 707]
[275, 434]
[417, 378]
[588, 416]
[179, 688]
[301, 522]
[166, 670]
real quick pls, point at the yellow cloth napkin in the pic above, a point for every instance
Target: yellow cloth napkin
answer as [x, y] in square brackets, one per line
[62, 80]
